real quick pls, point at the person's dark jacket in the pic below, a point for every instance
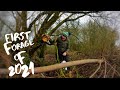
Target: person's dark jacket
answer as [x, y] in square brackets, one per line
[63, 46]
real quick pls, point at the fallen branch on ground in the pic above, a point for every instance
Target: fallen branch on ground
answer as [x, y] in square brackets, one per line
[58, 66]
[113, 68]
[105, 69]
[91, 76]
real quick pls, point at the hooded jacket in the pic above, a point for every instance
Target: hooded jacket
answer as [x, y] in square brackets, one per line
[62, 45]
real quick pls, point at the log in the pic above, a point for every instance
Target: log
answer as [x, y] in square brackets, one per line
[58, 66]
[67, 64]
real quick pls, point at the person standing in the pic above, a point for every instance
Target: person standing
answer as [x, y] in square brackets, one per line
[62, 46]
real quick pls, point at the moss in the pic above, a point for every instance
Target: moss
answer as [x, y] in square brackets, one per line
[1, 45]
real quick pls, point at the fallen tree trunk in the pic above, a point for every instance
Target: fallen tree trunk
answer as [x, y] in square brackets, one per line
[58, 66]
[67, 64]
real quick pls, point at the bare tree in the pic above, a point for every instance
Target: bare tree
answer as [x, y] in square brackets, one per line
[45, 21]
[49, 19]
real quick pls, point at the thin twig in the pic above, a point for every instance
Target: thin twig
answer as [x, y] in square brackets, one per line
[91, 76]
[108, 71]
[113, 68]
[100, 74]
[42, 75]
[6, 25]
[105, 70]
[31, 15]
[113, 72]
[13, 14]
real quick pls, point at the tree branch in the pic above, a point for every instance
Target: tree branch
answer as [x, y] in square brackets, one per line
[18, 14]
[75, 18]
[96, 70]
[58, 66]
[49, 23]
[46, 19]
[54, 29]
[113, 68]
[6, 25]
[82, 12]
[38, 16]
[105, 69]
[13, 14]
[31, 15]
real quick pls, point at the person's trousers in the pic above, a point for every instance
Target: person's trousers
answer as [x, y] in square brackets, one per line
[61, 57]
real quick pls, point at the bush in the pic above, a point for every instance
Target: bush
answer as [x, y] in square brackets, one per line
[94, 40]
[97, 40]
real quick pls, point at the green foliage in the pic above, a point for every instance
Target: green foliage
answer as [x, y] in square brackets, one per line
[94, 38]
[97, 39]
[50, 49]
[26, 59]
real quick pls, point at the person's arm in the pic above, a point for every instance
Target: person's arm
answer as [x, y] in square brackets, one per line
[50, 42]
[66, 50]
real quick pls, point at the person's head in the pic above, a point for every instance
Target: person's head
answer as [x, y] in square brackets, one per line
[64, 35]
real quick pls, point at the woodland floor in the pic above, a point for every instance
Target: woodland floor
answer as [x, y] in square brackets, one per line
[110, 69]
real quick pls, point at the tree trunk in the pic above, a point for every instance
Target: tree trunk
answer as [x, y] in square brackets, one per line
[21, 26]
[42, 51]
[18, 23]
[24, 20]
